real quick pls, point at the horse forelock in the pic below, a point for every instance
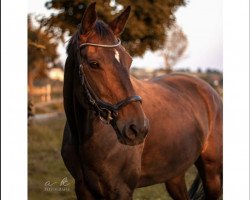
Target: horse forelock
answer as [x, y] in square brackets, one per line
[103, 31]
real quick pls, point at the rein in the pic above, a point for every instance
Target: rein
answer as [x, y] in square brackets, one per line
[107, 112]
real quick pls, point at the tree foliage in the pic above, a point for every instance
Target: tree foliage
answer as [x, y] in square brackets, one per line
[174, 47]
[145, 28]
[41, 53]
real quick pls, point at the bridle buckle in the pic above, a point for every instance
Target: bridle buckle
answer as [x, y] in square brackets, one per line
[109, 116]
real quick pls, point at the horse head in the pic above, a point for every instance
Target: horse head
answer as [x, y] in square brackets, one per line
[104, 72]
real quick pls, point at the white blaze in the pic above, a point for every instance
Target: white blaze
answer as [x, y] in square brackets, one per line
[117, 55]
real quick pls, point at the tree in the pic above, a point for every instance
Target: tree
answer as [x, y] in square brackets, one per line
[175, 47]
[145, 29]
[41, 53]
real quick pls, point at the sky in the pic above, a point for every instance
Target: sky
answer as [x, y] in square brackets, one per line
[200, 20]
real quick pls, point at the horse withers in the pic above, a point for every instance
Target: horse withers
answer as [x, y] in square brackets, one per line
[122, 133]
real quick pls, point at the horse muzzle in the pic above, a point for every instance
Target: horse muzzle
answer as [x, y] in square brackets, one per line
[133, 133]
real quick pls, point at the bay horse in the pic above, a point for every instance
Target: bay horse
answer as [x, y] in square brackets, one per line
[122, 133]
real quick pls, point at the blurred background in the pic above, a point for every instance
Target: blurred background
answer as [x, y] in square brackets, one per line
[163, 36]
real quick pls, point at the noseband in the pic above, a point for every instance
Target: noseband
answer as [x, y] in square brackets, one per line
[107, 112]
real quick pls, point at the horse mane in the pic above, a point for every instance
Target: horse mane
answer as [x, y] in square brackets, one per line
[100, 28]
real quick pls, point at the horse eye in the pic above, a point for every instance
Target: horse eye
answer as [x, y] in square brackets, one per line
[94, 65]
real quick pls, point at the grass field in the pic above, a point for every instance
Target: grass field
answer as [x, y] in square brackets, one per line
[45, 166]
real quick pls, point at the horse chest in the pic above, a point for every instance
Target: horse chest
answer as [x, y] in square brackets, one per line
[108, 178]
[111, 167]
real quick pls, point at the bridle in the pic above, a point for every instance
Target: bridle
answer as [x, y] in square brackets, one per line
[107, 112]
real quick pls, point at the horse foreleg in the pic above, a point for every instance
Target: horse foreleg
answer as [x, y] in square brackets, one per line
[82, 191]
[124, 193]
[176, 188]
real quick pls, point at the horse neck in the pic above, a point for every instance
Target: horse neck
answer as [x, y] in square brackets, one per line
[83, 119]
[137, 84]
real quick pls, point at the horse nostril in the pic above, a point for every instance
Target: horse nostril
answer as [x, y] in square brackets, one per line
[131, 132]
[134, 129]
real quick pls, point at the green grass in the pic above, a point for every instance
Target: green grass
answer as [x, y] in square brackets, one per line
[45, 164]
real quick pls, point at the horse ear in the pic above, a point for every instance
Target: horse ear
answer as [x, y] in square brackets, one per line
[88, 19]
[118, 24]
